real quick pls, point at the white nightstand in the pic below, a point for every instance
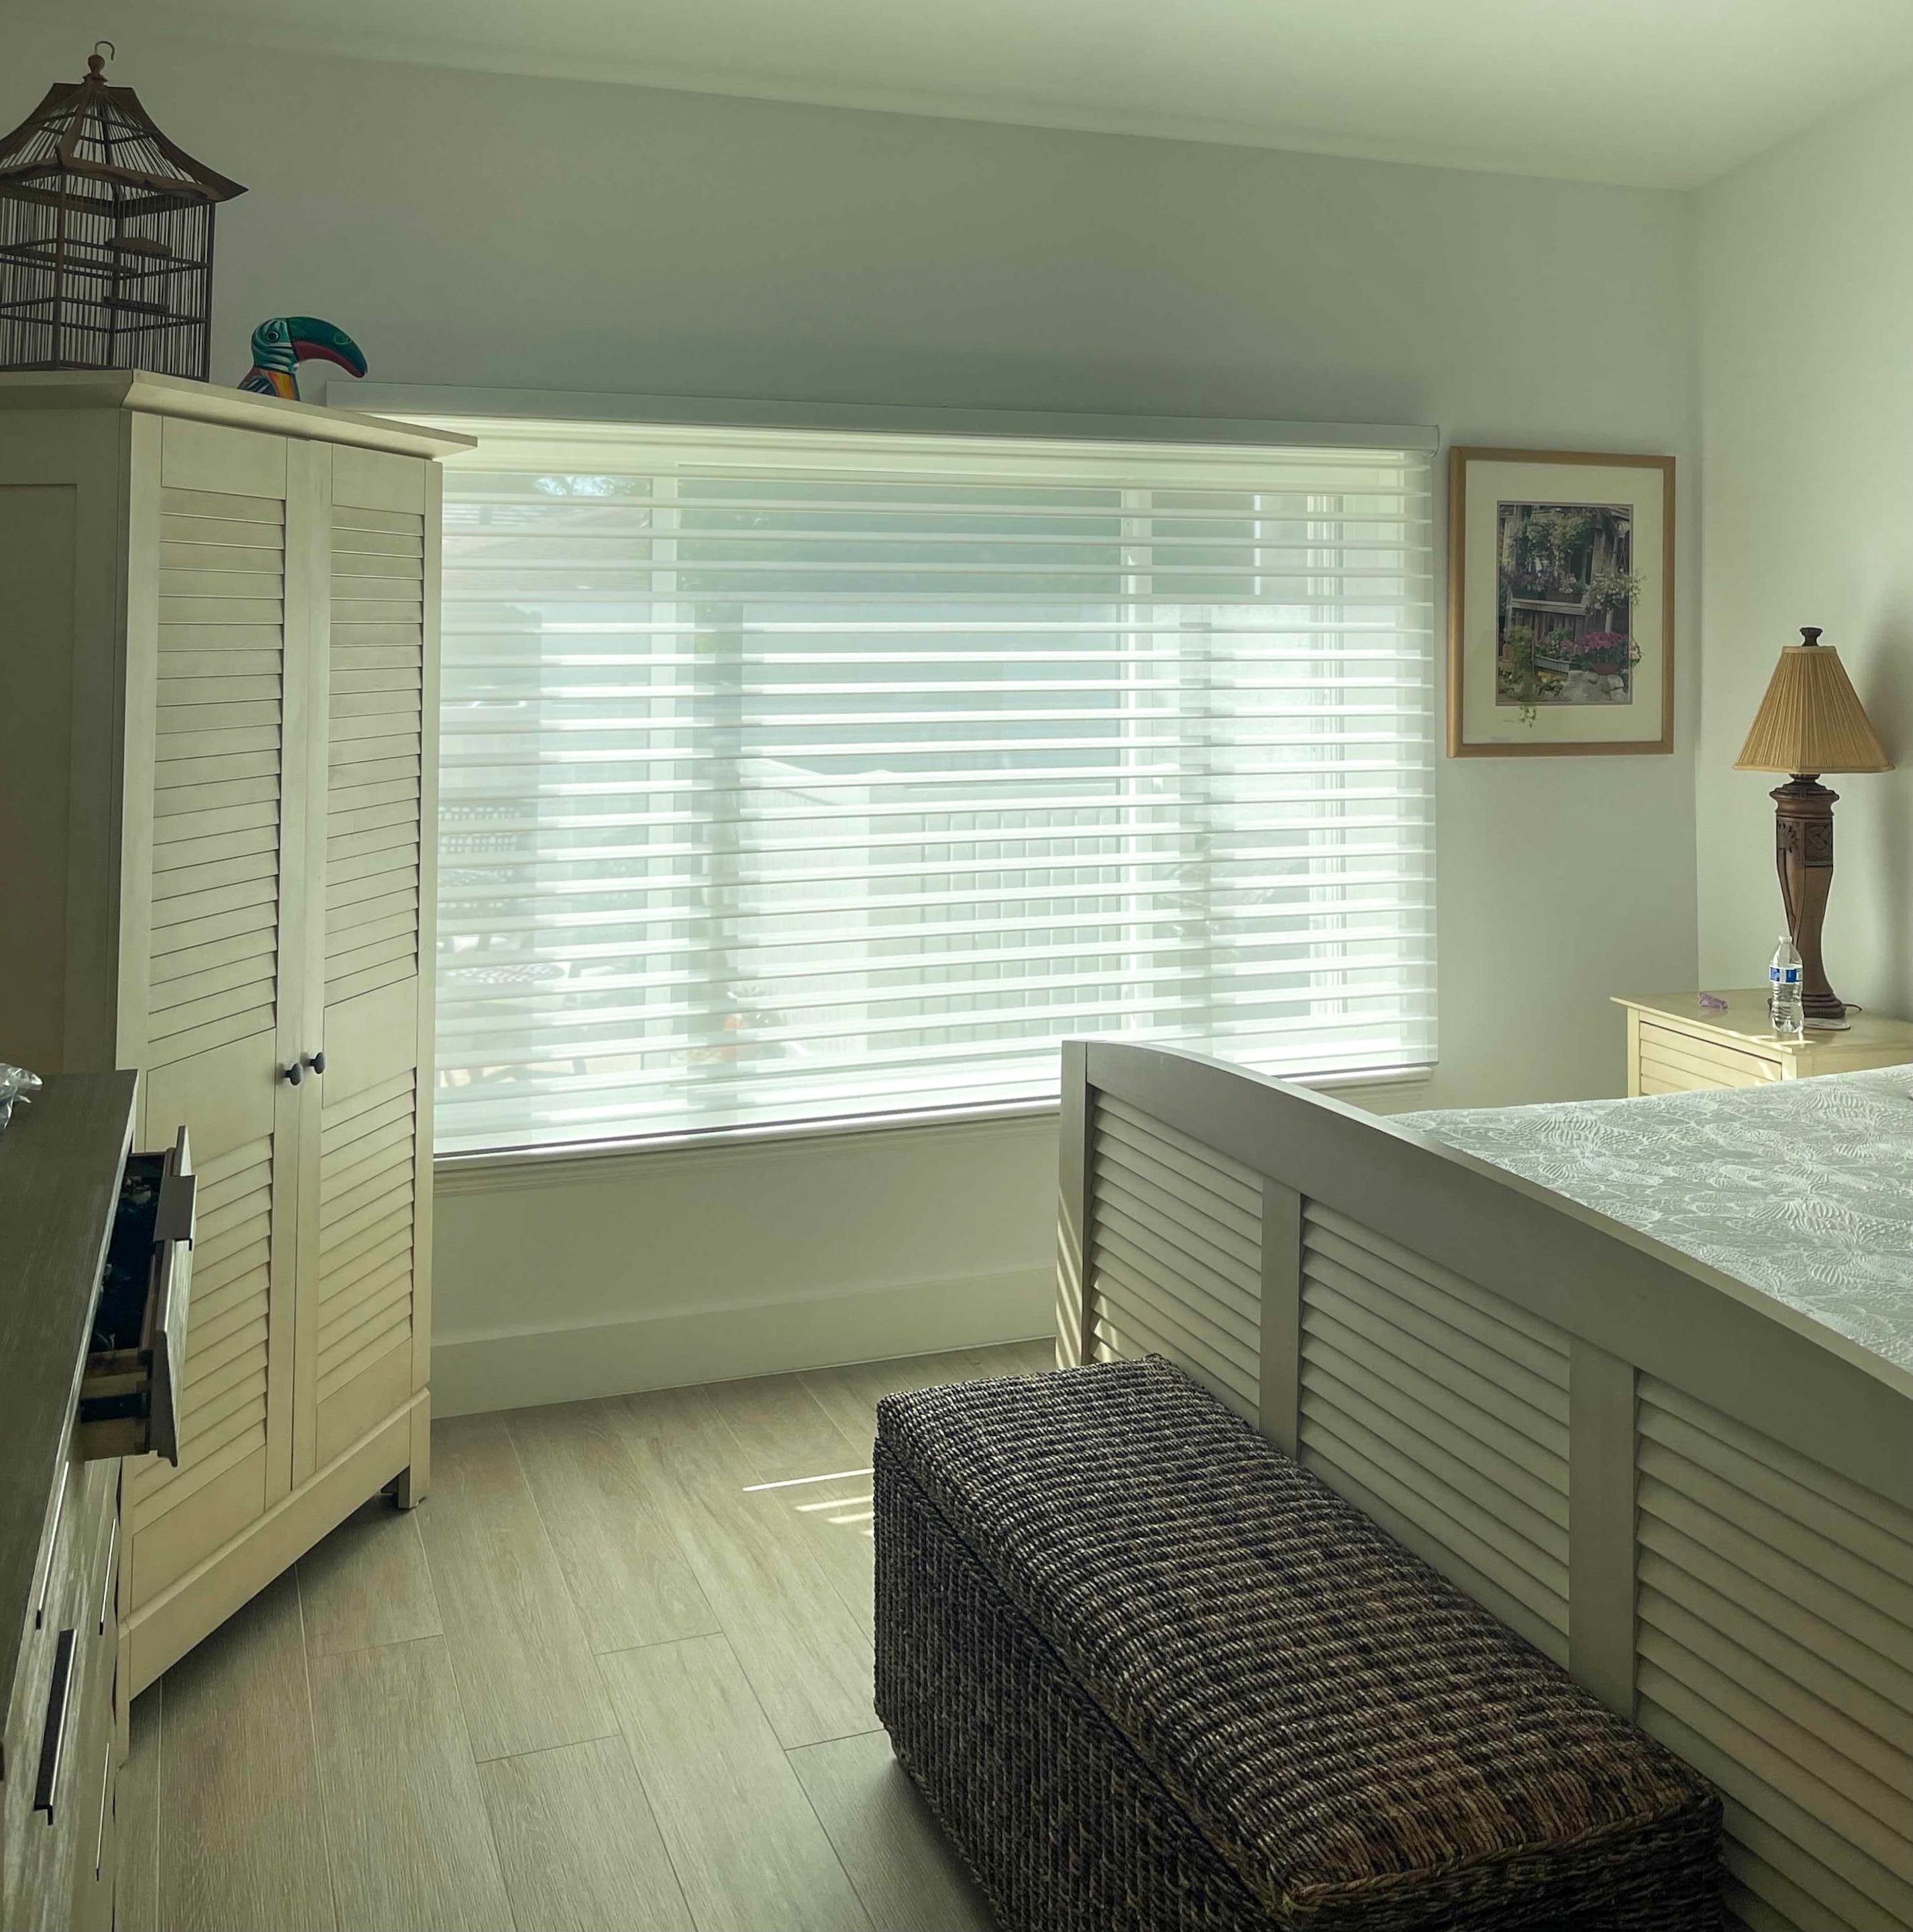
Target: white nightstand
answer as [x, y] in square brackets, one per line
[1676, 1045]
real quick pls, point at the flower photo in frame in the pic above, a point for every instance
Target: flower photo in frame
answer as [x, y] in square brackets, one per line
[1560, 603]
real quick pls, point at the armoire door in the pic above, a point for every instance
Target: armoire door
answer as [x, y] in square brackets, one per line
[366, 1168]
[214, 944]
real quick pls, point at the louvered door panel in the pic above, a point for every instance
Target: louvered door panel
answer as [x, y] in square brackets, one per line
[218, 773]
[1441, 1410]
[1175, 1254]
[375, 776]
[361, 1352]
[1775, 1654]
[362, 1369]
[225, 923]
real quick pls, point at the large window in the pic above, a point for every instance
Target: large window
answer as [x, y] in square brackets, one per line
[797, 775]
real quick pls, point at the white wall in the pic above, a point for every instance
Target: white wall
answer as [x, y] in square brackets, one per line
[1805, 294]
[517, 232]
[682, 1267]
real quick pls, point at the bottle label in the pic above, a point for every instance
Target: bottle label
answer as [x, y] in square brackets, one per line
[1788, 976]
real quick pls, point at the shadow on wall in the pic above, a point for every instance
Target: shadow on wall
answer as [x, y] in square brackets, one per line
[1888, 697]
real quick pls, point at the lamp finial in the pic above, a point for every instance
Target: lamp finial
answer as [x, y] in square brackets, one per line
[1809, 635]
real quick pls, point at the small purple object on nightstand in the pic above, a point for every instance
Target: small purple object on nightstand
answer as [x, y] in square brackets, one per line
[1714, 1002]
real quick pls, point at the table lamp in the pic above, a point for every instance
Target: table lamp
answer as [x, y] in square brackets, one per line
[1811, 720]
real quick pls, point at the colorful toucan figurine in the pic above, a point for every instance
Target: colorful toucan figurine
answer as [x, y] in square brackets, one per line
[279, 345]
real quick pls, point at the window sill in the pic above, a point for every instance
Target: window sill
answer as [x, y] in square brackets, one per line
[606, 1160]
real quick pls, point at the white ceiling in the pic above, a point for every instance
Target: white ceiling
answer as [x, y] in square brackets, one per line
[1661, 92]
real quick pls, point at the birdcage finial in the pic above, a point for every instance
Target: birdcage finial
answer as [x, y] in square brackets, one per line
[96, 62]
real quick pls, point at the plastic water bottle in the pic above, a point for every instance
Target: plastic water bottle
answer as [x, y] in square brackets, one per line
[1783, 1006]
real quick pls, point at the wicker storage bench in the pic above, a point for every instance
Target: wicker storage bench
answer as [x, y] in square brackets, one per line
[1148, 1673]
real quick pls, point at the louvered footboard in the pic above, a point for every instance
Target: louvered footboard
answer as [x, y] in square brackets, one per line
[1702, 1512]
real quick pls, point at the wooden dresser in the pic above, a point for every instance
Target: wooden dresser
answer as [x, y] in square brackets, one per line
[95, 1247]
[1676, 1045]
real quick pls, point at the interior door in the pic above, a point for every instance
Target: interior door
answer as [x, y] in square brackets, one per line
[366, 1169]
[214, 945]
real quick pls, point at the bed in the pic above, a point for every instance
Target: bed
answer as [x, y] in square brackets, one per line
[1637, 1376]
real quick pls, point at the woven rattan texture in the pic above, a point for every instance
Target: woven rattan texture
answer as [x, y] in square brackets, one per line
[1149, 1673]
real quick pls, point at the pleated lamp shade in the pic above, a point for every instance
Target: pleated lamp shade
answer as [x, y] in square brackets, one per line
[1811, 720]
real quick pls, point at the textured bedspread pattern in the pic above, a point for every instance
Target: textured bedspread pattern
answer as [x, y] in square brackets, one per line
[1803, 1189]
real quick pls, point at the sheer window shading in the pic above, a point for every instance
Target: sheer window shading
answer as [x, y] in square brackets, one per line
[793, 775]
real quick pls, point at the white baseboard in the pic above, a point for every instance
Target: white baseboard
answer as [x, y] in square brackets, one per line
[521, 1367]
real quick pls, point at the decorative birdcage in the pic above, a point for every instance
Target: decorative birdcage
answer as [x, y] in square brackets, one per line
[105, 237]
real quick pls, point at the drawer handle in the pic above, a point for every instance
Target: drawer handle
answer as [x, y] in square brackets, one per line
[53, 1742]
[53, 1552]
[100, 1836]
[175, 1213]
[106, 1583]
[163, 1314]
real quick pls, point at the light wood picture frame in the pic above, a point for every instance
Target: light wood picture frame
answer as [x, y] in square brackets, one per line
[1560, 603]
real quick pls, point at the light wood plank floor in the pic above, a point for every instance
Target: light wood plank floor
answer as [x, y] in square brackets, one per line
[615, 1672]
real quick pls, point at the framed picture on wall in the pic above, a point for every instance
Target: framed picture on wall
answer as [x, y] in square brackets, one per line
[1560, 603]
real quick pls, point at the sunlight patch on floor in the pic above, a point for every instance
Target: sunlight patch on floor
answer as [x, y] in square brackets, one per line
[796, 1482]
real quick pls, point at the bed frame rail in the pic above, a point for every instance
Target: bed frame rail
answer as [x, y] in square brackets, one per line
[1701, 1507]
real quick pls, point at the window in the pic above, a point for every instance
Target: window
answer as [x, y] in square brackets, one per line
[794, 776]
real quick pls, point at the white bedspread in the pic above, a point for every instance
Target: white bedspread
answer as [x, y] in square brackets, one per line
[1803, 1189]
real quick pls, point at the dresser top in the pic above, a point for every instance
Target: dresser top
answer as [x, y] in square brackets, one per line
[1745, 1019]
[147, 395]
[60, 1159]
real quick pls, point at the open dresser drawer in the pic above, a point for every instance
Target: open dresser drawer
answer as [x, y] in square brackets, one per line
[129, 1396]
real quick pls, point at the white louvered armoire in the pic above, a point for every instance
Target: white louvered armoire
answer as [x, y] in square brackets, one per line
[217, 686]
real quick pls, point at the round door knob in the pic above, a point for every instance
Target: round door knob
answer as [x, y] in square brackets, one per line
[295, 1074]
[316, 1061]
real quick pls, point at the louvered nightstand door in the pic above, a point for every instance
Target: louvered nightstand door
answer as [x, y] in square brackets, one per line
[365, 1171]
[218, 607]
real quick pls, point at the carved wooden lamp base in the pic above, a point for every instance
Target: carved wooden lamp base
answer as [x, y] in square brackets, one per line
[1803, 853]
